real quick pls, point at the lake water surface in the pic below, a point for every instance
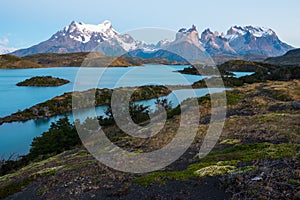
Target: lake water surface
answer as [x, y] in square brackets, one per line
[16, 137]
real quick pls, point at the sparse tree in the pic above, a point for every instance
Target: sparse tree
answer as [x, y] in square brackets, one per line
[164, 103]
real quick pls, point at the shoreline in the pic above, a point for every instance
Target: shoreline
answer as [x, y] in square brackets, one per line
[63, 104]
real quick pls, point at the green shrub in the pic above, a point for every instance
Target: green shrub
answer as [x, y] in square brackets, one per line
[61, 136]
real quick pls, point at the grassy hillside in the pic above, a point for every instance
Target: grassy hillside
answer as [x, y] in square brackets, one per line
[13, 62]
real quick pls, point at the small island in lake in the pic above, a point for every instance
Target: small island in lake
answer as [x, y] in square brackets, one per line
[43, 81]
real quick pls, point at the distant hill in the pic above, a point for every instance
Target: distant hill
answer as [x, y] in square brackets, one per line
[13, 62]
[87, 59]
[291, 58]
[78, 59]
[54, 59]
[245, 66]
[93, 59]
[222, 58]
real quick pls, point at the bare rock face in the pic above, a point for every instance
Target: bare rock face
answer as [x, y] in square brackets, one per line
[190, 35]
[187, 44]
[216, 44]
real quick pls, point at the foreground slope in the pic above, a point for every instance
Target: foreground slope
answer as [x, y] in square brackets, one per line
[257, 157]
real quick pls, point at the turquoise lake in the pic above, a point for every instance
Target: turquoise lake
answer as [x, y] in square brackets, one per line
[16, 137]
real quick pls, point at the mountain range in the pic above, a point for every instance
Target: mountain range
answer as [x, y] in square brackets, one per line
[188, 43]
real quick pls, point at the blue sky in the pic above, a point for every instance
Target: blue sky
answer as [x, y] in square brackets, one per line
[24, 23]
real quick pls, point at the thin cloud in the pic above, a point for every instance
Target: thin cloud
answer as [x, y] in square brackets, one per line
[4, 42]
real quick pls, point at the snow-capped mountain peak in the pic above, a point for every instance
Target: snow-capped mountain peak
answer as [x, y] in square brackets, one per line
[236, 31]
[256, 40]
[163, 43]
[103, 27]
[260, 31]
[5, 50]
[82, 32]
